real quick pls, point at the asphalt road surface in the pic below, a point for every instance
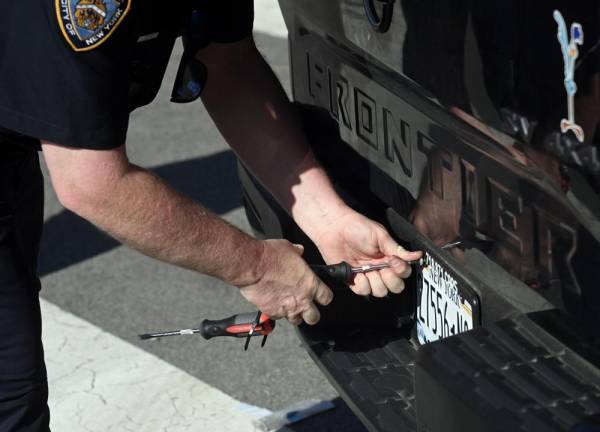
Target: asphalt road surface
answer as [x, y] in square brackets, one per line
[119, 293]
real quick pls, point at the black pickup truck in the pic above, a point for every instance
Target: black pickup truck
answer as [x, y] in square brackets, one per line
[472, 123]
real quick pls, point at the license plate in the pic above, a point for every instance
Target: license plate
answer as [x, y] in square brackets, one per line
[442, 309]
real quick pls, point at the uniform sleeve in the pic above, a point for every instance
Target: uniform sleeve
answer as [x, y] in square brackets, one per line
[230, 21]
[50, 91]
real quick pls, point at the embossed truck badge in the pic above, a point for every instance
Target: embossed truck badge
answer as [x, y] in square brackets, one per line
[570, 53]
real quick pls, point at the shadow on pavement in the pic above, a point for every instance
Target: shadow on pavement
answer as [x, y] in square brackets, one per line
[340, 418]
[211, 180]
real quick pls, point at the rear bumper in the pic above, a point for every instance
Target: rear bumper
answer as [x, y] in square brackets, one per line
[509, 376]
[518, 370]
[372, 368]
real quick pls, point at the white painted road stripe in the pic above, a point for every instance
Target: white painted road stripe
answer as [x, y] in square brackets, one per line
[268, 19]
[100, 383]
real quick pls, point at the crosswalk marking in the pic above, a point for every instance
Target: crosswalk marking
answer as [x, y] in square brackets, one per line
[100, 383]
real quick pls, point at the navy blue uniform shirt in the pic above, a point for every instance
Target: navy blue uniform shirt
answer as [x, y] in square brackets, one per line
[72, 70]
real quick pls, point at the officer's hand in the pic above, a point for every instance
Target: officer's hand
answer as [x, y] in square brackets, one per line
[287, 288]
[358, 240]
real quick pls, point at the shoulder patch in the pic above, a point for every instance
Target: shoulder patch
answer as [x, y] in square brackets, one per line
[86, 24]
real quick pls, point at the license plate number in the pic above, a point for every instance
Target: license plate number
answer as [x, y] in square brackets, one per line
[442, 310]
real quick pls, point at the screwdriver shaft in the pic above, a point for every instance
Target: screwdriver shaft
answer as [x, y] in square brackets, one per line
[451, 245]
[169, 333]
[370, 267]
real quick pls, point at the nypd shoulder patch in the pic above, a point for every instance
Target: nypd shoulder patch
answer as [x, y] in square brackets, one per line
[86, 24]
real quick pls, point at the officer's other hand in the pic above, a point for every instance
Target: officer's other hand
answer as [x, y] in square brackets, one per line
[287, 288]
[358, 240]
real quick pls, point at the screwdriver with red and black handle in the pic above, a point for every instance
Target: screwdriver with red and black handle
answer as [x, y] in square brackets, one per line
[240, 325]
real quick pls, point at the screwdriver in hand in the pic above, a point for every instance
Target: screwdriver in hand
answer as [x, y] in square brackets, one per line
[344, 272]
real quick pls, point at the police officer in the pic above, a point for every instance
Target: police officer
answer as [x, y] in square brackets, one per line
[70, 73]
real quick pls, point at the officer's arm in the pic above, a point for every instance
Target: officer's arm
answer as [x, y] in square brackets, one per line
[253, 113]
[142, 211]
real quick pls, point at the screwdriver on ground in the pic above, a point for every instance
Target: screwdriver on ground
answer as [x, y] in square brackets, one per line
[240, 325]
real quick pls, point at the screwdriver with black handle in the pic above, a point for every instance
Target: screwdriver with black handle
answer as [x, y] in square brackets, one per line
[344, 272]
